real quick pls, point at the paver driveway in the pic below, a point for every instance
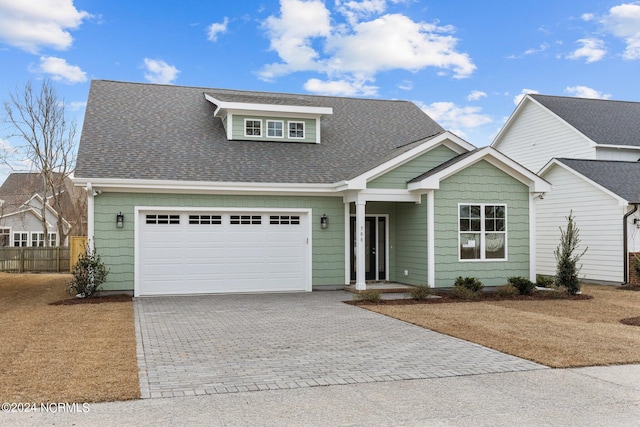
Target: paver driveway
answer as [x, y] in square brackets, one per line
[229, 343]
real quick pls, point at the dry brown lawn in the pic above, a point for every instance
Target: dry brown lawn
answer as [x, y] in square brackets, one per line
[557, 333]
[63, 353]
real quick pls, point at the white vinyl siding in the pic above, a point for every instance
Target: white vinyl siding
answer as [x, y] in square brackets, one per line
[604, 153]
[536, 136]
[598, 216]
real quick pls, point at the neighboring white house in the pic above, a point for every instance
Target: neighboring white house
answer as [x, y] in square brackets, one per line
[21, 203]
[588, 150]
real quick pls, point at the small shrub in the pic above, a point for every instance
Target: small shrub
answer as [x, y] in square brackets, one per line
[507, 291]
[369, 295]
[636, 267]
[544, 281]
[567, 269]
[523, 285]
[421, 293]
[88, 274]
[464, 293]
[470, 283]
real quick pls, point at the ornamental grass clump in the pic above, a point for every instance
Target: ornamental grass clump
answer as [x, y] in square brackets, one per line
[89, 274]
[369, 295]
[421, 292]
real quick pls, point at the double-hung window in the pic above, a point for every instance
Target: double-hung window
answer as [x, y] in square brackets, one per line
[252, 127]
[20, 239]
[482, 230]
[5, 237]
[275, 129]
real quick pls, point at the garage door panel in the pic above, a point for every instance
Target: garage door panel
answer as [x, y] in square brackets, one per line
[201, 257]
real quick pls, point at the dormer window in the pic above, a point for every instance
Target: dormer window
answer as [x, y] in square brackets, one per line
[252, 127]
[275, 129]
[296, 130]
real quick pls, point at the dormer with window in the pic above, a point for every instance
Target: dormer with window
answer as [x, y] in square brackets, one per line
[268, 118]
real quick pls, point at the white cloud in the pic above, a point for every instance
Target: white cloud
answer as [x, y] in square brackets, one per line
[455, 118]
[215, 29]
[592, 50]
[340, 87]
[476, 95]
[61, 71]
[405, 85]
[305, 40]
[523, 92]
[159, 71]
[585, 92]
[77, 105]
[623, 21]
[31, 25]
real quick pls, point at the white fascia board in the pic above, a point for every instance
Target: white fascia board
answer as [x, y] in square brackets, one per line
[510, 120]
[201, 187]
[554, 162]
[381, 195]
[268, 108]
[494, 157]
[447, 139]
[619, 147]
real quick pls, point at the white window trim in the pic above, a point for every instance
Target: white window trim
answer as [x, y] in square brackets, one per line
[53, 241]
[10, 242]
[274, 136]
[245, 127]
[304, 129]
[483, 233]
[13, 239]
[36, 240]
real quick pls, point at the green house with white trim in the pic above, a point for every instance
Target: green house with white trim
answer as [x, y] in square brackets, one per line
[201, 190]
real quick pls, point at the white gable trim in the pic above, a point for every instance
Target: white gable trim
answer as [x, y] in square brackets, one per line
[527, 98]
[447, 139]
[267, 108]
[554, 162]
[494, 157]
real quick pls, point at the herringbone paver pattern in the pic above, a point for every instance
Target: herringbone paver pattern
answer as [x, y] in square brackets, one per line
[231, 343]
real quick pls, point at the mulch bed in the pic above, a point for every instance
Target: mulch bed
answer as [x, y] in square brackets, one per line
[633, 321]
[488, 296]
[629, 288]
[94, 300]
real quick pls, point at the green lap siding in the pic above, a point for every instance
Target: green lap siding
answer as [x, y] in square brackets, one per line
[116, 246]
[411, 243]
[481, 183]
[398, 177]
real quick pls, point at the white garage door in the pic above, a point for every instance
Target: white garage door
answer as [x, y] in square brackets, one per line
[216, 252]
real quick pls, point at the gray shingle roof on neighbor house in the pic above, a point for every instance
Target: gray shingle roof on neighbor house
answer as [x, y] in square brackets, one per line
[162, 132]
[619, 177]
[602, 121]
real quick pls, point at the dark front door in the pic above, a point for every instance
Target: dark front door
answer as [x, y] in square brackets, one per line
[374, 248]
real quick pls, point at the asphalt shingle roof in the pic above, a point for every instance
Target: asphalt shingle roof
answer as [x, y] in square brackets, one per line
[619, 177]
[145, 131]
[602, 121]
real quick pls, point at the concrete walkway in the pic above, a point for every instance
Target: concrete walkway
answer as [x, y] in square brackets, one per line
[217, 344]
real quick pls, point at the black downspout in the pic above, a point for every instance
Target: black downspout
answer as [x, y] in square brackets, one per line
[625, 239]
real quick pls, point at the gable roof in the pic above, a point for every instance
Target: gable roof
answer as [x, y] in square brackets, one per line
[602, 121]
[432, 178]
[135, 131]
[619, 177]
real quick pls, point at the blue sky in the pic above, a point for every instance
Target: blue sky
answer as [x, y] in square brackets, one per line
[465, 63]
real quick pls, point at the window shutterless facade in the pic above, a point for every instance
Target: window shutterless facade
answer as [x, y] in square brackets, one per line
[275, 129]
[252, 127]
[296, 130]
[482, 232]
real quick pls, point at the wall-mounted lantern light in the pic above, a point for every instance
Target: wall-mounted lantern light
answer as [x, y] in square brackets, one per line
[324, 221]
[120, 220]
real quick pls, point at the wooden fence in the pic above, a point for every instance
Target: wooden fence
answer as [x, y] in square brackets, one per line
[43, 260]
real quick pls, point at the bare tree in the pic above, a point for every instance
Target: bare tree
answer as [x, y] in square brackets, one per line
[47, 141]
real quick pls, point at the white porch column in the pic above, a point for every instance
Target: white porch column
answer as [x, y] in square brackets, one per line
[360, 242]
[431, 240]
[90, 217]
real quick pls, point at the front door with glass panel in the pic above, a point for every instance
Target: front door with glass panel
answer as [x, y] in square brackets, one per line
[375, 248]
